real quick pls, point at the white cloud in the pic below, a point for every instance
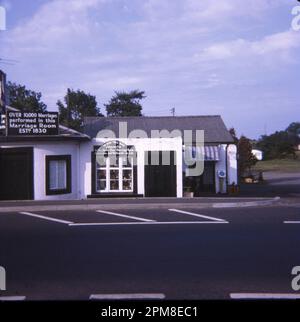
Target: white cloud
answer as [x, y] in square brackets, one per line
[220, 10]
[56, 23]
[104, 45]
[279, 43]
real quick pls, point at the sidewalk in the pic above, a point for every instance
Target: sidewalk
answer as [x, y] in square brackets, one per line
[133, 203]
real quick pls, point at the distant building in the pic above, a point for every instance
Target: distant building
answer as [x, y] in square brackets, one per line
[258, 154]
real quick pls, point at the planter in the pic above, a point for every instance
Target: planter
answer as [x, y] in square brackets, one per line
[188, 194]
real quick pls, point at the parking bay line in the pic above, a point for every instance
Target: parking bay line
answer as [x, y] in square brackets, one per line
[12, 298]
[264, 296]
[200, 216]
[134, 296]
[124, 216]
[291, 222]
[46, 218]
[150, 223]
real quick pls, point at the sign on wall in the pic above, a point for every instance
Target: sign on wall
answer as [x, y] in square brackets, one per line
[28, 123]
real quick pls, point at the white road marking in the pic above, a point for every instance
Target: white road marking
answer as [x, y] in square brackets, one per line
[292, 222]
[262, 296]
[124, 216]
[149, 223]
[135, 296]
[12, 298]
[46, 218]
[200, 216]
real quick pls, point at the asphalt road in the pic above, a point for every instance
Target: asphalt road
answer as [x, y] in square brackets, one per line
[178, 255]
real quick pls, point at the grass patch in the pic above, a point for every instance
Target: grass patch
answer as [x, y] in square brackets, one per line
[280, 165]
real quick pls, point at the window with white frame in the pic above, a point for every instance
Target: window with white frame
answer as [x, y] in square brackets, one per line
[115, 174]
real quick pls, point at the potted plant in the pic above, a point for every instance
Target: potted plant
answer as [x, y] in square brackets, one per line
[188, 193]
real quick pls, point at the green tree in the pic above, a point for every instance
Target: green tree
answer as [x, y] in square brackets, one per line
[245, 157]
[294, 129]
[76, 106]
[244, 148]
[278, 145]
[25, 99]
[125, 104]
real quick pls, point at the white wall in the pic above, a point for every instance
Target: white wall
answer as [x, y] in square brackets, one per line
[40, 151]
[141, 145]
[228, 152]
[232, 164]
[221, 166]
[81, 163]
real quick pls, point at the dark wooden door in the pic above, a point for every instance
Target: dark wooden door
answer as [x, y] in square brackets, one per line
[160, 180]
[205, 184]
[16, 174]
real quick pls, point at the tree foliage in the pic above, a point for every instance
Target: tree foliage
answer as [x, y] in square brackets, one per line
[125, 104]
[246, 159]
[294, 129]
[25, 99]
[76, 106]
[278, 145]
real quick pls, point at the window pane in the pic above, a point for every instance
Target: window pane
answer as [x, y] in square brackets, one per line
[127, 185]
[58, 174]
[125, 162]
[101, 175]
[100, 161]
[114, 161]
[101, 185]
[52, 175]
[62, 174]
[114, 184]
[114, 174]
[127, 174]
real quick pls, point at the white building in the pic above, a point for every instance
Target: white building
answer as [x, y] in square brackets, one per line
[73, 165]
[258, 154]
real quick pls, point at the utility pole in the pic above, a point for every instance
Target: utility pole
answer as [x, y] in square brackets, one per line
[68, 108]
[173, 111]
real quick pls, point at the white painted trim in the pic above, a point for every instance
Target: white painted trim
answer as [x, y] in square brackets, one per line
[134, 296]
[124, 216]
[262, 296]
[291, 222]
[197, 215]
[46, 218]
[149, 223]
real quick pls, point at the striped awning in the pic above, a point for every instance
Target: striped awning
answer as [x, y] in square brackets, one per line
[203, 153]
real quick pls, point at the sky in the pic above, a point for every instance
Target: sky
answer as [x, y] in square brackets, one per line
[234, 58]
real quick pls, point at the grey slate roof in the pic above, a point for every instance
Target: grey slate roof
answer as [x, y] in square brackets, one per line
[214, 128]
